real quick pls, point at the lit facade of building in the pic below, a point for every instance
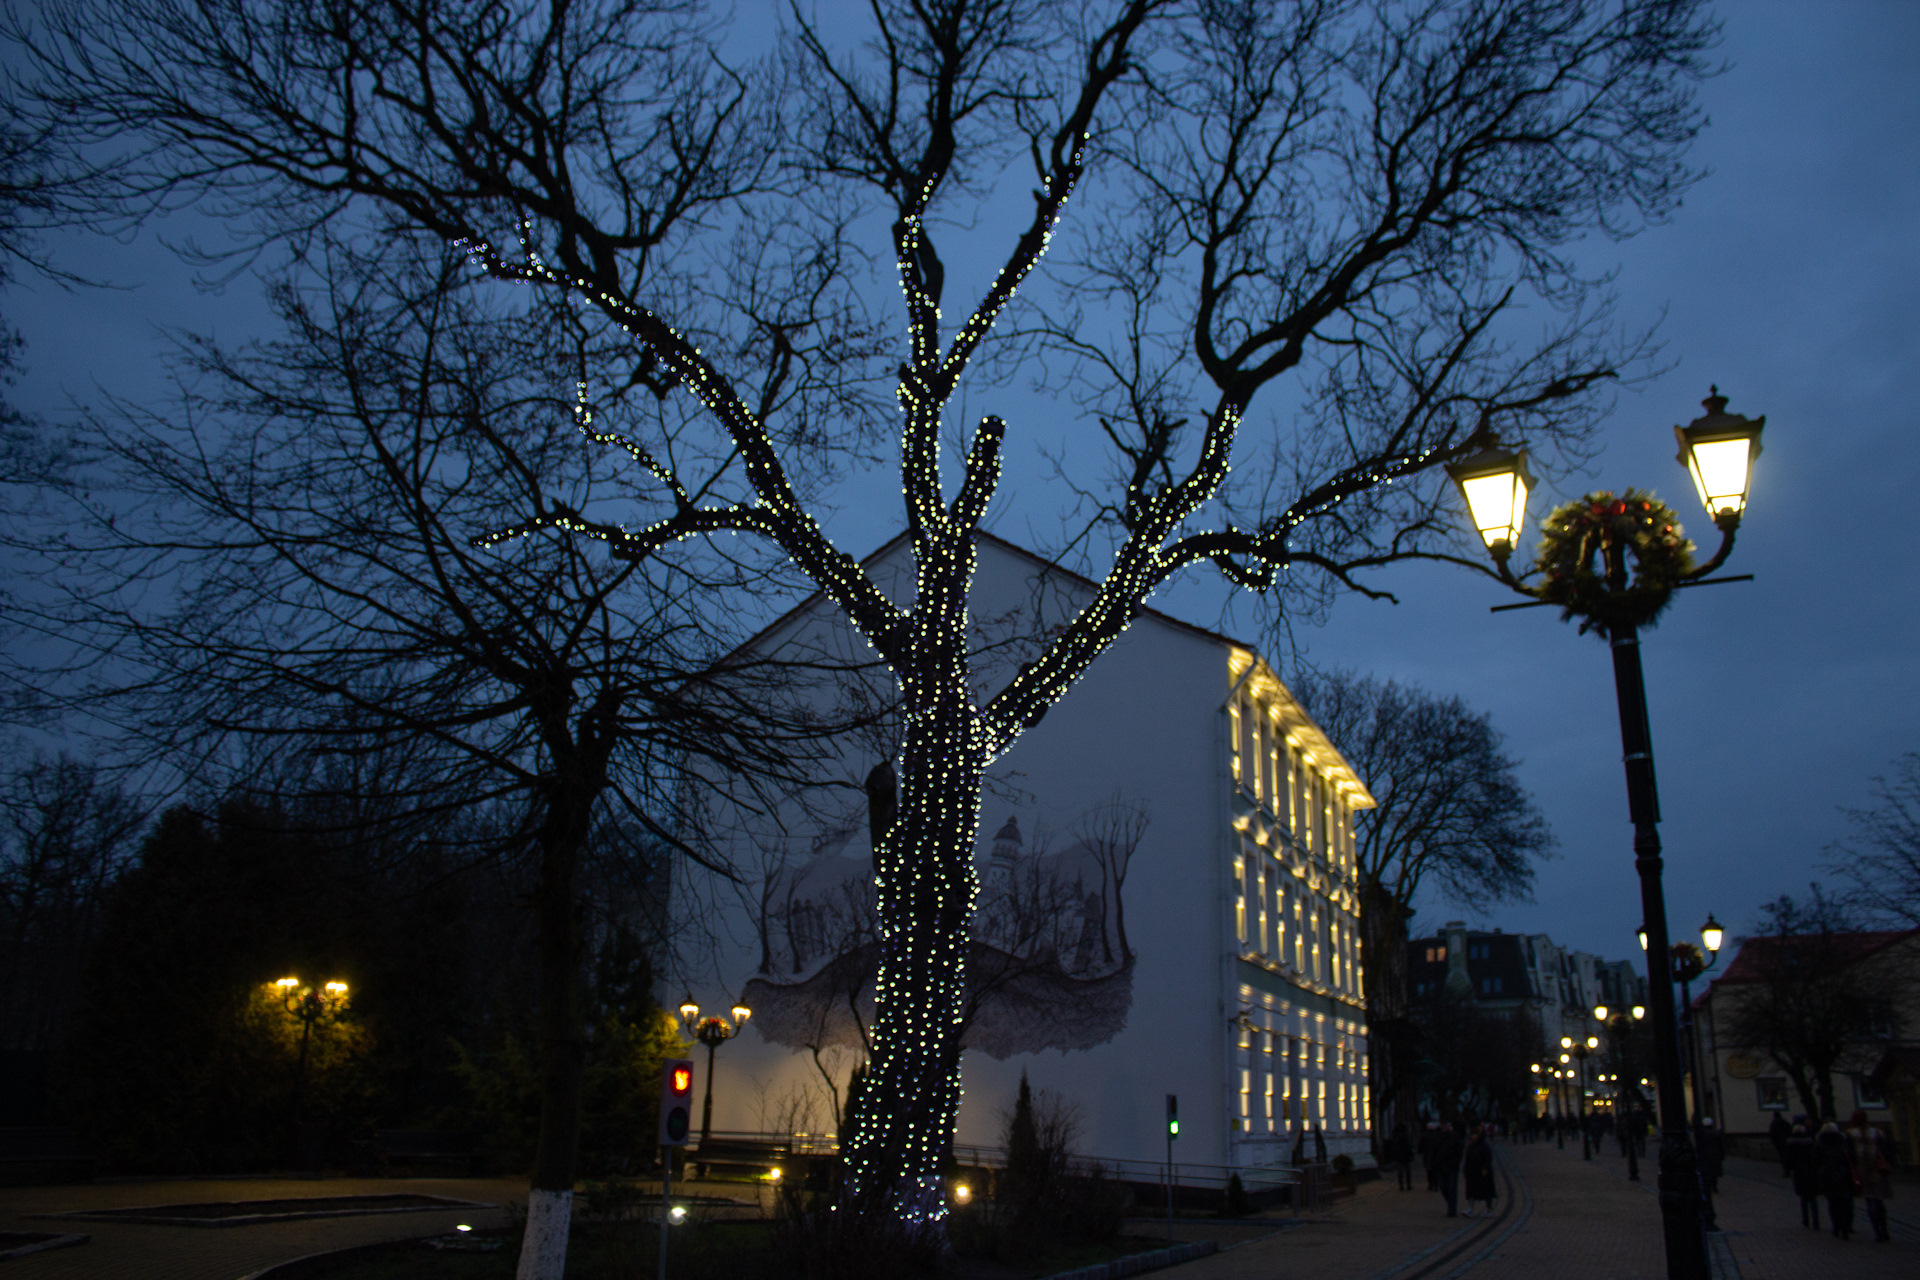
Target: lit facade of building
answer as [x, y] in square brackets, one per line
[1166, 902]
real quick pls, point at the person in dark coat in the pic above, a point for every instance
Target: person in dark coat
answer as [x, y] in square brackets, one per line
[1872, 1153]
[1833, 1172]
[1800, 1168]
[1429, 1144]
[1400, 1155]
[1712, 1154]
[1778, 1132]
[1476, 1169]
[1447, 1154]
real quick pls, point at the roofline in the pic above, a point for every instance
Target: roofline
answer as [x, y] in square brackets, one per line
[1054, 566]
[1885, 938]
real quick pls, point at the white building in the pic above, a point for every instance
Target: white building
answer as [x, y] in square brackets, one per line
[1166, 904]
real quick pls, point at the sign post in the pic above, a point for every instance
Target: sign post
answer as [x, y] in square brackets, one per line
[676, 1112]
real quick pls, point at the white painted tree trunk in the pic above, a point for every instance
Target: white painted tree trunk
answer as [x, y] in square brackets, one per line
[543, 1254]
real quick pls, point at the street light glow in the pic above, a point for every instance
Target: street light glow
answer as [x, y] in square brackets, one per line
[1495, 483]
[1712, 934]
[1718, 452]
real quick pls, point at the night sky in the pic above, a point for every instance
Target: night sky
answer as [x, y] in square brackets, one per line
[1789, 278]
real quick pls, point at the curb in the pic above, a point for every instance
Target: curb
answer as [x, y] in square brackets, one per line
[1136, 1264]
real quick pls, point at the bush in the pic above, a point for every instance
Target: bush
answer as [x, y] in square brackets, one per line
[1237, 1205]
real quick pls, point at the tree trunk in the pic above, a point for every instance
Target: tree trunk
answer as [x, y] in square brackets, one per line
[1383, 965]
[926, 887]
[543, 1251]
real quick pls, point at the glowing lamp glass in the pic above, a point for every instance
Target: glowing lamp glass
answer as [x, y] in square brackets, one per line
[689, 1010]
[1600, 1013]
[336, 988]
[1718, 450]
[741, 1013]
[1712, 934]
[1495, 483]
[287, 983]
[1639, 1011]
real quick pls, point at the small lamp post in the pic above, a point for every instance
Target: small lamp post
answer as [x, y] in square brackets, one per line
[1717, 450]
[1619, 1025]
[712, 1032]
[1580, 1049]
[310, 1006]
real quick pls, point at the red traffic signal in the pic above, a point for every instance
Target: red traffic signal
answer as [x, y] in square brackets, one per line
[676, 1101]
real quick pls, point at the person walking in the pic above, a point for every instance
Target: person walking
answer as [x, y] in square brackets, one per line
[1777, 1133]
[1800, 1168]
[1447, 1154]
[1712, 1154]
[1476, 1169]
[1872, 1152]
[1429, 1144]
[1833, 1171]
[1400, 1156]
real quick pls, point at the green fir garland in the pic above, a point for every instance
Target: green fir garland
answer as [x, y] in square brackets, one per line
[1571, 557]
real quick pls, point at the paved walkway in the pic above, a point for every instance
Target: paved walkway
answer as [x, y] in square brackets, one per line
[1559, 1216]
[138, 1251]
[1566, 1218]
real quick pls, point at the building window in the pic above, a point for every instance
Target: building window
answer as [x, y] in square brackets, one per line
[1436, 955]
[1233, 717]
[1772, 1092]
[1865, 1095]
[1491, 986]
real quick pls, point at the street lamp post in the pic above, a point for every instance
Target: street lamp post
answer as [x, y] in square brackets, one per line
[1718, 450]
[1579, 1049]
[712, 1032]
[1619, 1026]
[309, 1005]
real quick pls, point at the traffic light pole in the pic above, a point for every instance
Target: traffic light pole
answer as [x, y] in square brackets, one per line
[1173, 1131]
[666, 1205]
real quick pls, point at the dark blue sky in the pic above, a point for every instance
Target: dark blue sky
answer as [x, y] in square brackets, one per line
[1790, 278]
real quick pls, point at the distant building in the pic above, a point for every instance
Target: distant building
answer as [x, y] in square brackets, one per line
[1745, 1085]
[1525, 977]
[1166, 904]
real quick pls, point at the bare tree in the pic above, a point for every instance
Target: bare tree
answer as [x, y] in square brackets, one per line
[1450, 816]
[1883, 860]
[1357, 202]
[1812, 990]
[69, 832]
[314, 497]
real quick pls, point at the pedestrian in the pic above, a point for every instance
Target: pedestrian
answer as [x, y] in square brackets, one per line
[1448, 1152]
[1429, 1143]
[1833, 1170]
[1711, 1152]
[1476, 1169]
[1872, 1152]
[1778, 1132]
[1319, 1146]
[1800, 1165]
[1400, 1156]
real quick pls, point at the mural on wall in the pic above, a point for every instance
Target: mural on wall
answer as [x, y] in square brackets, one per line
[1049, 967]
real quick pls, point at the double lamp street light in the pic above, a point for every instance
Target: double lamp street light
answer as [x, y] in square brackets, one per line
[1718, 450]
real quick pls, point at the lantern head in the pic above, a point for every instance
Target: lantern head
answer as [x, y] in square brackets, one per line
[1494, 483]
[1718, 450]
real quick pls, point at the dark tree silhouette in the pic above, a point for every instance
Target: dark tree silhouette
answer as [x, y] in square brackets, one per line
[1450, 816]
[1883, 859]
[314, 499]
[1813, 990]
[1354, 202]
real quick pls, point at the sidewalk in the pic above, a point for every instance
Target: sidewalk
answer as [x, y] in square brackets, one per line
[1570, 1219]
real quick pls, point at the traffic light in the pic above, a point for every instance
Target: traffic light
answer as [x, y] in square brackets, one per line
[1173, 1115]
[676, 1101]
